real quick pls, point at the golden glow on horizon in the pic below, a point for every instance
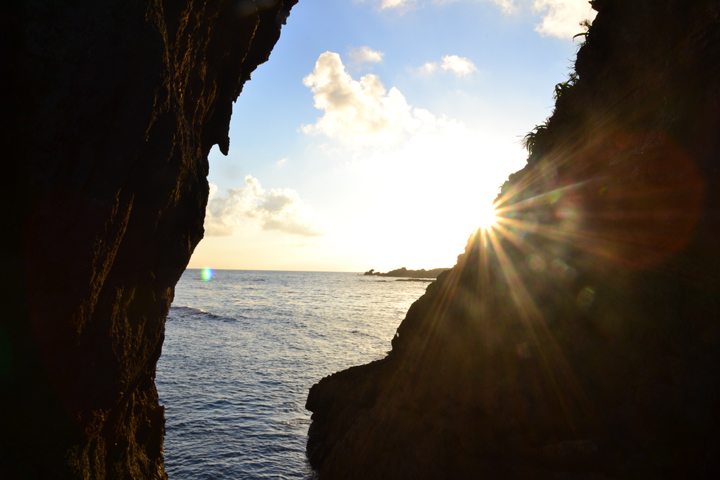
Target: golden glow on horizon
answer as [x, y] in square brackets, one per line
[422, 218]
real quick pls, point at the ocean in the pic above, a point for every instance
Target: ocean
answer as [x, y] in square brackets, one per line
[241, 352]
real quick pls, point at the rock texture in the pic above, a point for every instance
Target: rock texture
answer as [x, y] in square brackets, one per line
[109, 110]
[580, 337]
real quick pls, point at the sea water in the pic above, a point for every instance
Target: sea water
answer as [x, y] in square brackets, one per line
[241, 352]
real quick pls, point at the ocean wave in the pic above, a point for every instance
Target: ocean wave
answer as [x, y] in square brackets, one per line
[358, 332]
[178, 313]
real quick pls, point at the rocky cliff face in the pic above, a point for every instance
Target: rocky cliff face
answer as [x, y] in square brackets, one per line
[579, 338]
[109, 111]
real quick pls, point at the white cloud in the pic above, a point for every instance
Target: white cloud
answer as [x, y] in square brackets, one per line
[560, 18]
[362, 111]
[563, 17]
[281, 163]
[460, 66]
[428, 68]
[365, 55]
[252, 206]
[508, 6]
[396, 3]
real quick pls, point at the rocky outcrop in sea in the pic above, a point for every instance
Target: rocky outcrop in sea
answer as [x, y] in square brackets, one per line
[579, 337]
[109, 110]
[405, 273]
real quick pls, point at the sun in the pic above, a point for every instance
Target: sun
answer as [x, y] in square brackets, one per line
[486, 216]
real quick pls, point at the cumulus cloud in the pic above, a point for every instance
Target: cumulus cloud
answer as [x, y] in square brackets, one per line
[396, 3]
[365, 55]
[562, 17]
[460, 66]
[428, 68]
[252, 206]
[362, 111]
[508, 6]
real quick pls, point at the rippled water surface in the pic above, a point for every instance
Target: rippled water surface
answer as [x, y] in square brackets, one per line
[241, 352]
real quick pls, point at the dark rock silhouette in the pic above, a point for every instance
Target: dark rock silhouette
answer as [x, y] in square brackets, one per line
[109, 110]
[404, 272]
[580, 337]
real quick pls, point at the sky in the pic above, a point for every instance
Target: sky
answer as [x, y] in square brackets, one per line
[378, 133]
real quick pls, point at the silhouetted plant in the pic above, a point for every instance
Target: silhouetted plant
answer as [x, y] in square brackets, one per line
[586, 25]
[531, 139]
[564, 87]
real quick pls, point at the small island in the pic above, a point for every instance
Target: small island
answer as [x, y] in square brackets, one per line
[405, 273]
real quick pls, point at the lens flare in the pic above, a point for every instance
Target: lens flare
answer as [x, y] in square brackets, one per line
[207, 273]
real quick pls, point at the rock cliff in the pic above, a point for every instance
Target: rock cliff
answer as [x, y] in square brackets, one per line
[579, 337]
[109, 110]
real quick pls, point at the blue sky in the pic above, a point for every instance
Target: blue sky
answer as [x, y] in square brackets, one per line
[379, 131]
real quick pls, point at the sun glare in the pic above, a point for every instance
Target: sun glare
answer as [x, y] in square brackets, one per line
[486, 216]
